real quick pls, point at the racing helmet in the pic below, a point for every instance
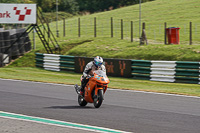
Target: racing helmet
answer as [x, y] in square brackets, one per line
[98, 61]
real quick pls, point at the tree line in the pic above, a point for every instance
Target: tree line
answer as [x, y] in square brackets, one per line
[77, 6]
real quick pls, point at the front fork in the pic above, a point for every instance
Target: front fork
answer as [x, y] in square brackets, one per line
[98, 90]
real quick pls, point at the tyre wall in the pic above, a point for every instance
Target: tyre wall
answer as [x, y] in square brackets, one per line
[11, 48]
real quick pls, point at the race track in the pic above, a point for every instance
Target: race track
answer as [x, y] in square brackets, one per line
[130, 111]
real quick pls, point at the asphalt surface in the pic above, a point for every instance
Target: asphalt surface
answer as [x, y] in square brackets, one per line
[130, 111]
[20, 126]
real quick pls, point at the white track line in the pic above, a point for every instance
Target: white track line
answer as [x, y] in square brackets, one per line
[58, 123]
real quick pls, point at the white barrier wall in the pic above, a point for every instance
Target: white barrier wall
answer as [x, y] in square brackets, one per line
[51, 62]
[163, 71]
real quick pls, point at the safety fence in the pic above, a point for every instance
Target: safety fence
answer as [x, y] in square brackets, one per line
[125, 28]
[164, 71]
[55, 62]
[167, 71]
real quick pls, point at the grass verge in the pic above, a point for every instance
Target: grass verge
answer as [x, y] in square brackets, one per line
[40, 75]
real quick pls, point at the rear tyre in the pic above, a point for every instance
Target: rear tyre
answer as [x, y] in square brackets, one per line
[99, 99]
[81, 101]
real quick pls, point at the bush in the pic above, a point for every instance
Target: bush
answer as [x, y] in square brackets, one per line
[70, 6]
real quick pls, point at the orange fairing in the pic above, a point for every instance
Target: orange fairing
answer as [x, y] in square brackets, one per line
[98, 81]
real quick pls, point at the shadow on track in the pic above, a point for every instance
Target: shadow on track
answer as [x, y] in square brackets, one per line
[69, 107]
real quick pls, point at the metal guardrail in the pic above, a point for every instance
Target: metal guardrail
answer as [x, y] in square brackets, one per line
[167, 71]
[164, 71]
[55, 62]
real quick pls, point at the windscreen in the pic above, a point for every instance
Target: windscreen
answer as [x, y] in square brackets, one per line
[100, 73]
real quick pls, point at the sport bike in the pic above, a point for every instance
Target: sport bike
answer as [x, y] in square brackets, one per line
[94, 90]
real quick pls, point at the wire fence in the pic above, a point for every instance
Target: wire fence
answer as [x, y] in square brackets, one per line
[125, 29]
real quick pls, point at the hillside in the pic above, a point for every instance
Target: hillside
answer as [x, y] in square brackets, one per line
[175, 13]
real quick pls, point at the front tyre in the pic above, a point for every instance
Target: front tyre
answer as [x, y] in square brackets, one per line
[81, 101]
[99, 99]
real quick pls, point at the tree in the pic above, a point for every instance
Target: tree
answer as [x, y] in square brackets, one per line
[46, 5]
[16, 1]
[101, 5]
[8, 1]
[70, 6]
[74, 6]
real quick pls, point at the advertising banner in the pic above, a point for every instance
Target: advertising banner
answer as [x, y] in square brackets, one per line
[114, 67]
[18, 13]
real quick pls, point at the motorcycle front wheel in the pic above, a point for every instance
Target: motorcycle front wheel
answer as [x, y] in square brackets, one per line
[81, 101]
[99, 99]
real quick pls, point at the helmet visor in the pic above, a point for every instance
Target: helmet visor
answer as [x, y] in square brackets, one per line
[98, 63]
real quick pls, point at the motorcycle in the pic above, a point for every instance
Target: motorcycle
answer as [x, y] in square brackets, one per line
[94, 90]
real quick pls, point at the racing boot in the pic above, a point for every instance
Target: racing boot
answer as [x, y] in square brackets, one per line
[82, 89]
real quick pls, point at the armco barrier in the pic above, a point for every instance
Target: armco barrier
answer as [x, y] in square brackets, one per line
[164, 71]
[167, 71]
[188, 72]
[115, 67]
[55, 62]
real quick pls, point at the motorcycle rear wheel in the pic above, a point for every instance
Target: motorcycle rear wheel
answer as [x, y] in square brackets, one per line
[98, 101]
[81, 101]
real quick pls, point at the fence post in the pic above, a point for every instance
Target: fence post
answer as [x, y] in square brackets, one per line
[143, 26]
[121, 28]
[95, 28]
[64, 27]
[190, 33]
[111, 27]
[131, 31]
[79, 27]
[143, 37]
[165, 34]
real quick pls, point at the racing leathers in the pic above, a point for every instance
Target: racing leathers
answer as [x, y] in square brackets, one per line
[90, 66]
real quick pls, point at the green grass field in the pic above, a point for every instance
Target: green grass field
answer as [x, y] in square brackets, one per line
[177, 13]
[35, 74]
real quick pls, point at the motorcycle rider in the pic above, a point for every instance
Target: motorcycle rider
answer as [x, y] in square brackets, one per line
[97, 64]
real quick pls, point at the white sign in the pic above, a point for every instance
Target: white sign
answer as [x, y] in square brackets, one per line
[18, 13]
